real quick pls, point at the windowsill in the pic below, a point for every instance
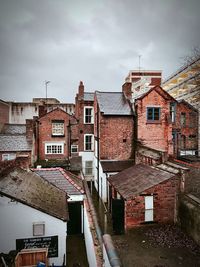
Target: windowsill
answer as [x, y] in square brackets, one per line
[58, 135]
[89, 123]
[153, 122]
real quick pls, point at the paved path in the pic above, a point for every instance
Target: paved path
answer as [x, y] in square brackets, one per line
[76, 252]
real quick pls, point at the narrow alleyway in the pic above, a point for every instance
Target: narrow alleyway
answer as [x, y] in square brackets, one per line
[76, 251]
[104, 216]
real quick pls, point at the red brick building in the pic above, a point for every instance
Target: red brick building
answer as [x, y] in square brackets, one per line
[143, 194]
[54, 135]
[84, 112]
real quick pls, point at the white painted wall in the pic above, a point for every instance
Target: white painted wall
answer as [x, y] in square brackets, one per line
[16, 222]
[19, 113]
[89, 241]
[87, 156]
[105, 257]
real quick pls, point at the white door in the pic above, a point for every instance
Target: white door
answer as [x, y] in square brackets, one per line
[148, 208]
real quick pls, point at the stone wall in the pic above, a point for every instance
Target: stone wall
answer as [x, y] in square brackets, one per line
[189, 216]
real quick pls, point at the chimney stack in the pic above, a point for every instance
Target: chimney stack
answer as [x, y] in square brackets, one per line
[126, 89]
[81, 90]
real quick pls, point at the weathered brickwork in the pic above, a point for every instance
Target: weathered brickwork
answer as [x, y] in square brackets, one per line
[82, 128]
[164, 204]
[155, 134]
[45, 133]
[188, 131]
[116, 137]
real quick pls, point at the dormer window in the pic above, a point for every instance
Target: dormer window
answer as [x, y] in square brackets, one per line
[57, 128]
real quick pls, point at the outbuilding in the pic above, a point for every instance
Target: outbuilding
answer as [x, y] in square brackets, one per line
[143, 194]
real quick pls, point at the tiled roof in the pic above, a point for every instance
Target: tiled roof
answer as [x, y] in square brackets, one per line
[134, 180]
[88, 96]
[116, 165]
[62, 179]
[113, 103]
[14, 129]
[30, 189]
[14, 143]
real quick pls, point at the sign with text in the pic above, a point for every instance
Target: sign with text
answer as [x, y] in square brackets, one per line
[50, 242]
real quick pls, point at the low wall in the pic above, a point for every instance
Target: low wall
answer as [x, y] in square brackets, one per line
[189, 216]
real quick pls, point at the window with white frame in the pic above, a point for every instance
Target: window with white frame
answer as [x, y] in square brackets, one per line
[57, 128]
[11, 156]
[54, 148]
[88, 115]
[88, 168]
[39, 229]
[74, 148]
[88, 142]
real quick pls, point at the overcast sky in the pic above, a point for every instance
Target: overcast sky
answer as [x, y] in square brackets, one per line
[96, 41]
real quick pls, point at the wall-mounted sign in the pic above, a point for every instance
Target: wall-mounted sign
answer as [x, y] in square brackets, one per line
[50, 242]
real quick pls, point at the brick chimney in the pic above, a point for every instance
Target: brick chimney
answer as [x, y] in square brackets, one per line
[29, 129]
[42, 109]
[126, 89]
[81, 90]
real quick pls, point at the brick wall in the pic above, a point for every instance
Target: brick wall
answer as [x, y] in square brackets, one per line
[164, 204]
[45, 133]
[4, 112]
[156, 135]
[190, 128]
[116, 137]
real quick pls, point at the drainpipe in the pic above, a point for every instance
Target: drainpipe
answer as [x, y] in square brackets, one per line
[98, 148]
[135, 133]
[111, 251]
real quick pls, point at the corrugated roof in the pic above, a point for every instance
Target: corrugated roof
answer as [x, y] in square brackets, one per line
[88, 96]
[61, 179]
[14, 129]
[113, 103]
[14, 143]
[30, 189]
[116, 165]
[134, 180]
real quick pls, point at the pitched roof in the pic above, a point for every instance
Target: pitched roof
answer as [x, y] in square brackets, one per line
[160, 91]
[113, 103]
[14, 143]
[30, 189]
[88, 96]
[64, 180]
[134, 180]
[116, 165]
[14, 129]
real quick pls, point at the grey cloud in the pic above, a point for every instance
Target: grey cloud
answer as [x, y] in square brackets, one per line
[94, 41]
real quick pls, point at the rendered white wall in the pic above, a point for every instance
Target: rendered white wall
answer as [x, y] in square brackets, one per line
[19, 116]
[89, 241]
[16, 222]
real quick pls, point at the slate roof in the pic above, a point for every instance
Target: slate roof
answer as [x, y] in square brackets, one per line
[14, 129]
[14, 143]
[30, 189]
[134, 180]
[88, 96]
[113, 103]
[116, 165]
[64, 180]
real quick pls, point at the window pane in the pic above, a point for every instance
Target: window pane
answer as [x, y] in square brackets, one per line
[150, 114]
[88, 168]
[57, 128]
[156, 114]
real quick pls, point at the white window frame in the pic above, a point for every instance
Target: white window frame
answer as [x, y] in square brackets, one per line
[8, 156]
[57, 128]
[39, 229]
[51, 150]
[92, 142]
[74, 147]
[91, 120]
[148, 208]
[88, 168]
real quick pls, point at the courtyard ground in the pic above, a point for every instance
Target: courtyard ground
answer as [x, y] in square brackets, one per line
[157, 246]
